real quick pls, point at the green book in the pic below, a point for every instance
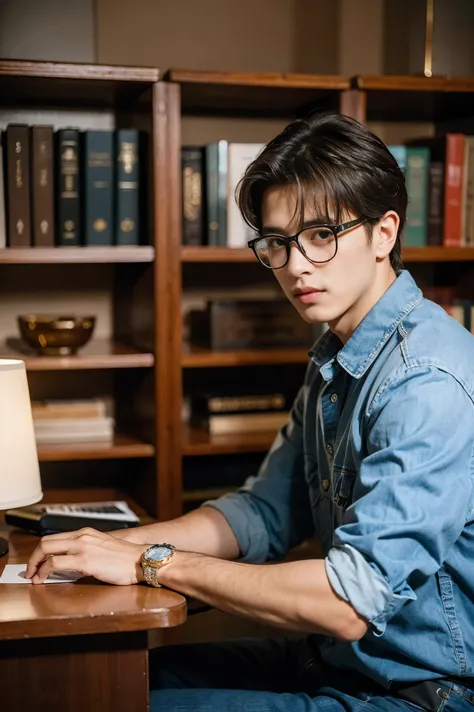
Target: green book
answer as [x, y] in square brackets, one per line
[418, 163]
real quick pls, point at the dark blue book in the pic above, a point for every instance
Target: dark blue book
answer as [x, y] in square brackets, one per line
[127, 193]
[68, 188]
[98, 158]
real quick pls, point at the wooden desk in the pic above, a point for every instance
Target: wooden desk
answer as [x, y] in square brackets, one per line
[77, 647]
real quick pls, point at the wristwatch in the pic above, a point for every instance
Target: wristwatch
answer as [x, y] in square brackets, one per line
[153, 559]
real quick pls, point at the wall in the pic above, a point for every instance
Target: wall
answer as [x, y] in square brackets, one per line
[61, 30]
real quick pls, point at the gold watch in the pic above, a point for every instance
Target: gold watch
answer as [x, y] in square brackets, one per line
[153, 559]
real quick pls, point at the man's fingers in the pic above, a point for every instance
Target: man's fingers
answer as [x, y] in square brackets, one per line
[54, 547]
[56, 563]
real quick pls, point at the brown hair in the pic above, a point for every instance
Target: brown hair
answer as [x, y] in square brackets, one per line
[331, 156]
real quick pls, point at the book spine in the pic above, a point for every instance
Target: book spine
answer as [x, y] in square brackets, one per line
[222, 148]
[42, 193]
[453, 190]
[3, 226]
[192, 195]
[435, 203]
[418, 159]
[18, 185]
[98, 187]
[68, 207]
[127, 214]
[469, 207]
[212, 197]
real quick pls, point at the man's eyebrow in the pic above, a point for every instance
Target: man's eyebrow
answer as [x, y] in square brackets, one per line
[319, 220]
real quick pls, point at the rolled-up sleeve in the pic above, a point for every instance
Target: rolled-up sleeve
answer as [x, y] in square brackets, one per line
[412, 495]
[271, 513]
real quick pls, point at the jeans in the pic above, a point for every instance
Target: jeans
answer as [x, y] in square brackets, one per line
[283, 675]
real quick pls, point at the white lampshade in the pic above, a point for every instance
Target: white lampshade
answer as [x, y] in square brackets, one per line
[20, 482]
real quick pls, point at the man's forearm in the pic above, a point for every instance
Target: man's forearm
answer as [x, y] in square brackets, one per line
[204, 530]
[295, 596]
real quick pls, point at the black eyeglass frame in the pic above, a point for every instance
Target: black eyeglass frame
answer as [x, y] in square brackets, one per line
[335, 229]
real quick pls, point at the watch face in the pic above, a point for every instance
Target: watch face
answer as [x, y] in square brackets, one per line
[158, 552]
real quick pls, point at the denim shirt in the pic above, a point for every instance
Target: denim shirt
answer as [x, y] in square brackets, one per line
[377, 463]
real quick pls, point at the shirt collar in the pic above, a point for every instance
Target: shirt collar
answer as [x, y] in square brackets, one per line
[365, 344]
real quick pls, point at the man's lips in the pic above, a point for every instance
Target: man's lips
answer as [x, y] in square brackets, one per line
[308, 295]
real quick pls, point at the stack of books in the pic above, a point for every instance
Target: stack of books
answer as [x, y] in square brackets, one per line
[72, 421]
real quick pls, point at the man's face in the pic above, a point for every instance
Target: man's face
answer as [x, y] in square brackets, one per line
[332, 292]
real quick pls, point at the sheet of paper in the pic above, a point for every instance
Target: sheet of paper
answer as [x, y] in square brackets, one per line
[15, 573]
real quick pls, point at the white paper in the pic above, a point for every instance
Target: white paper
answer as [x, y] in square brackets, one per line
[15, 573]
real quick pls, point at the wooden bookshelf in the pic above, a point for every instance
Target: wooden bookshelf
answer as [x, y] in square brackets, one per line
[135, 293]
[76, 255]
[197, 357]
[264, 94]
[410, 254]
[122, 447]
[201, 442]
[99, 354]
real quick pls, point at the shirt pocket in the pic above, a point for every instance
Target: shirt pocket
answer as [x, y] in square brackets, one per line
[344, 480]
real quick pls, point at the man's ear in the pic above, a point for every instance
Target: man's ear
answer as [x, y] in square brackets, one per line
[385, 234]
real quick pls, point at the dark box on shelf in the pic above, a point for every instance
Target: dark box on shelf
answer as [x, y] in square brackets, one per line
[233, 324]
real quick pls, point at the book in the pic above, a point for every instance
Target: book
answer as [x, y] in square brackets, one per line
[245, 422]
[83, 408]
[216, 192]
[68, 188]
[468, 218]
[3, 226]
[228, 324]
[18, 185]
[214, 404]
[98, 182]
[192, 169]
[417, 167]
[42, 186]
[435, 203]
[127, 193]
[240, 155]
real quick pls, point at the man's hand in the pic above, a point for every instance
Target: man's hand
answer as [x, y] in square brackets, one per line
[88, 552]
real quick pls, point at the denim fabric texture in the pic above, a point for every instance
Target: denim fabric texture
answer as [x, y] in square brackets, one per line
[377, 463]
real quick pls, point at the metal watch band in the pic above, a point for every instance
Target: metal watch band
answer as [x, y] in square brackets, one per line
[150, 574]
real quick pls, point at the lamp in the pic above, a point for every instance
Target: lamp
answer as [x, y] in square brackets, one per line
[20, 483]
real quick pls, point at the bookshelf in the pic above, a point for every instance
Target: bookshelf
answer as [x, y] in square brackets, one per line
[128, 284]
[404, 104]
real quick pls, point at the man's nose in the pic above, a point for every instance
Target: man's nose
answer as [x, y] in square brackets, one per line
[297, 262]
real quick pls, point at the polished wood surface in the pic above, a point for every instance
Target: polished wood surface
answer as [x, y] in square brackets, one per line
[123, 446]
[200, 442]
[256, 93]
[244, 254]
[72, 255]
[168, 333]
[27, 83]
[197, 357]
[394, 82]
[98, 353]
[77, 647]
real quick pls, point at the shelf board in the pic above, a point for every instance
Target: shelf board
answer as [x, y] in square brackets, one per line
[29, 83]
[410, 254]
[256, 93]
[98, 354]
[201, 442]
[396, 98]
[201, 495]
[197, 357]
[71, 255]
[122, 447]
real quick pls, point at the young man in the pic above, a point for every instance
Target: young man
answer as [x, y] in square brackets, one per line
[377, 462]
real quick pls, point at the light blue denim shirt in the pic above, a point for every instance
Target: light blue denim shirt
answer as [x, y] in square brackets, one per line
[377, 462]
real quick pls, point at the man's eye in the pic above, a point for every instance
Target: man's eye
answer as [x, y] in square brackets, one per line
[274, 243]
[322, 234]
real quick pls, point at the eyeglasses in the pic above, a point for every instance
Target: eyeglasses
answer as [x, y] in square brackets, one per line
[318, 243]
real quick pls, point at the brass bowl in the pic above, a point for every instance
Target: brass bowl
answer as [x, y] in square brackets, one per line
[56, 335]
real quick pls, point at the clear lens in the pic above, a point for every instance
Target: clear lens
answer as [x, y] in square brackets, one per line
[319, 245]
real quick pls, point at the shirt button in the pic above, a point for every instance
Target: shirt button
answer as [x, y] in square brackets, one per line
[334, 398]
[325, 485]
[330, 449]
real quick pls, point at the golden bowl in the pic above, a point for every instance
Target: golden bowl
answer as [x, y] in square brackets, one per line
[56, 335]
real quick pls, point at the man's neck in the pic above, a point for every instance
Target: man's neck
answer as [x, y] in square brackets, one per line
[345, 326]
